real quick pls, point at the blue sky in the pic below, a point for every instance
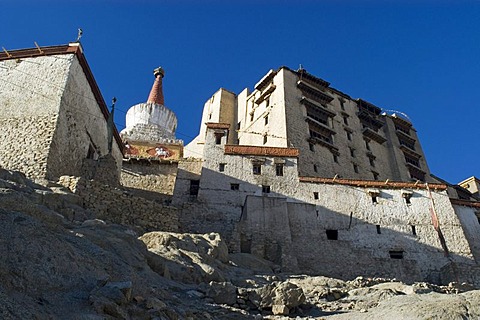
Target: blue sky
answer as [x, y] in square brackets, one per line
[418, 57]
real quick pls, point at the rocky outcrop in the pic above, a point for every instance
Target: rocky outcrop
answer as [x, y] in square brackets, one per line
[59, 261]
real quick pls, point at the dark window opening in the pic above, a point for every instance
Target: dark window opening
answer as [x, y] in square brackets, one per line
[221, 167]
[318, 116]
[412, 160]
[315, 168]
[352, 152]
[265, 139]
[355, 168]
[279, 169]
[374, 199]
[194, 187]
[234, 186]
[257, 169]
[239, 125]
[335, 158]
[265, 189]
[332, 234]
[342, 104]
[266, 120]
[367, 145]
[414, 231]
[402, 129]
[311, 146]
[252, 116]
[408, 144]
[407, 199]
[372, 162]
[315, 195]
[396, 254]
[375, 175]
[379, 231]
[345, 120]
[349, 135]
[218, 138]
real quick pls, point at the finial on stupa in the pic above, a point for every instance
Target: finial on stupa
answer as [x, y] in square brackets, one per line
[156, 94]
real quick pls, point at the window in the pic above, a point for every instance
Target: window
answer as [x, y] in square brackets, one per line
[379, 231]
[257, 168]
[412, 160]
[375, 175]
[406, 143]
[252, 114]
[403, 129]
[315, 195]
[267, 102]
[407, 195]
[352, 152]
[311, 146]
[234, 186]
[218, 138]
[396, 254]
[367, 145]
[317, 115]
[265, 139]
[265, 189]
[266, 120]
[332, 234]
[345, 120]
[349, 135]
[221, 167]
[355, 168]
[279, 169]
[374, 198]
[210, 116]
[194, 186]
[239, 125]
[372, 161]
[335, 158]
[414, 231]
[315, 168]
[342, 104]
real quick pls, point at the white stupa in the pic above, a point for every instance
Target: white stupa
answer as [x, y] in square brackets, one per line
[151, 121]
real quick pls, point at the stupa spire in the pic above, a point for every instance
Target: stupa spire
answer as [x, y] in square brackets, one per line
[156, 94]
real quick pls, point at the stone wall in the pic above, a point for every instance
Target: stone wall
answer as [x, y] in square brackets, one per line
[81, 125]
[25, 143]
[154, 180]
[118, 205]
[30, 93]
[49, 117]
[352, 237]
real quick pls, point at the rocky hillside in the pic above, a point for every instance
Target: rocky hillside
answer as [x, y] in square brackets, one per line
[59, 262]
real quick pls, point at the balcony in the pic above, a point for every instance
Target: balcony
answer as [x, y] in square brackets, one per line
[324, 143]
[313, 93]
[311, 103]
[265, 93]
[319, 125]
[369, 133]
[410, 152]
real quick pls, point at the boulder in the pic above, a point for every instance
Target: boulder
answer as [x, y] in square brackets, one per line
[222, 292]
[284, 293]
